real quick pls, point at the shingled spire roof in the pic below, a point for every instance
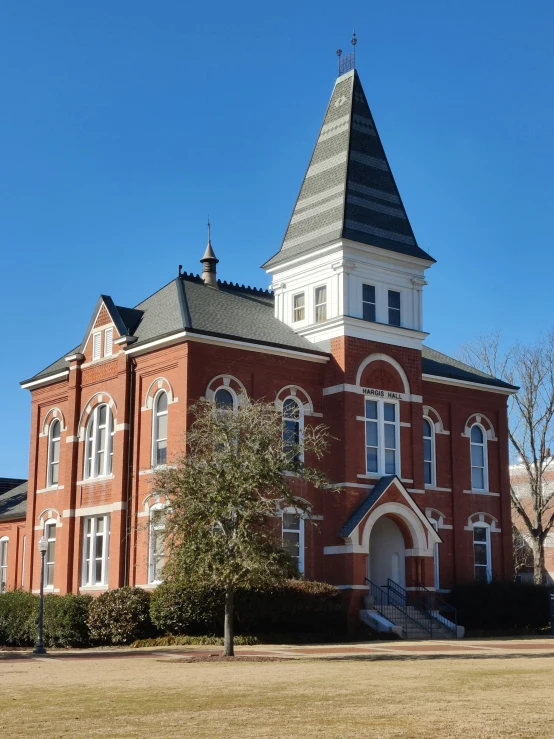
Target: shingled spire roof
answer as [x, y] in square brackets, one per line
[348, 191]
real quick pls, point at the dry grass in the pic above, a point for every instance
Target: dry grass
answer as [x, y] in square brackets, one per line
[423, 699]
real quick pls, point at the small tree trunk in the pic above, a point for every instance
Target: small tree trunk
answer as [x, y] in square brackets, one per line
[229, 649]
[538, 562]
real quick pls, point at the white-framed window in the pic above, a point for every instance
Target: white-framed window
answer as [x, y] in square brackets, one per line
[436, 568]
[4, 564]
[23, 561]
[293, 536]
[96, 544]
[293, 424]
[368, 302]
[382, 437]
[53, 472]
[320, 301]
[394, 308]
[482, 552]
[225, 399]
[99, 443]
[299, 307]
[429, 467]
[108, 342]
[159, 430]
[479, 471]
[97, 345]
[156, 550]
[50, 556]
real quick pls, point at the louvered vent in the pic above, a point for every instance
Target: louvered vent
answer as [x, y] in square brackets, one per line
[96, 345]
[108, 342]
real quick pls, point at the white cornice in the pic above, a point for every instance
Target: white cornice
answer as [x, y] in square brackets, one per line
[44, 380]
[468, 384]
[360, 329]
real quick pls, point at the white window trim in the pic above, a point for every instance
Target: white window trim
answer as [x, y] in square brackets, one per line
[381, 436]
[108, 342]
[51, 440]
[300, 406]
[4, 564]
[485, 458]
[24, 547]
[300, 531]
[96, 347]
[433, 482]
[304, 307]
[49, 522]
[155, 507]
[320, 305]
[155, 416]
[436, 556]
[105, 554]
[91, 471]
[483, 525]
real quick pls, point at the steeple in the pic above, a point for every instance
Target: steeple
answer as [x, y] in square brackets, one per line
[209, 262]
[348, 191]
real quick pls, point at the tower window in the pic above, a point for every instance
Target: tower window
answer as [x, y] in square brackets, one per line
[299, 305]
[394, 308]
[368, 298]
[320, 304]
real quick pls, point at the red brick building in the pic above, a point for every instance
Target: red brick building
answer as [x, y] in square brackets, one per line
[420, 456]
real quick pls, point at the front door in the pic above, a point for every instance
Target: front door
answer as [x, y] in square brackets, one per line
[387, 553]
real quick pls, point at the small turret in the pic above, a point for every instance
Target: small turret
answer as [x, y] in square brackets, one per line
[209, 262]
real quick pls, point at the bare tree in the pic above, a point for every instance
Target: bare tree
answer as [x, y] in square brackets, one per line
[531, 428]
[523, 554]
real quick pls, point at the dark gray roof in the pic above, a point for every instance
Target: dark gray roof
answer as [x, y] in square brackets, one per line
[13, 502]
[441, 365]
[348, 190]
[366, 506]
[7, 483]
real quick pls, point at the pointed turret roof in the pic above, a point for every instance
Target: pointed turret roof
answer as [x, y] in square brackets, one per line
[348, 190]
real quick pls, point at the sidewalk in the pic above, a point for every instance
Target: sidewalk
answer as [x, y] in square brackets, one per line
[478, 648]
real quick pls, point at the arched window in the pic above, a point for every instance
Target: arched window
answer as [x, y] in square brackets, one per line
[293, 536]
[482, 552]
[52, 475]
[292, 428]
[429, 451]
[159, 451]
[436, 568]
[479, 476]
[50, 557]
[225, 400]
[3, 564]
[99, 443]
[156, 543]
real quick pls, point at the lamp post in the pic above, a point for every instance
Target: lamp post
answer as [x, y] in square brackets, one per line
[42, 547]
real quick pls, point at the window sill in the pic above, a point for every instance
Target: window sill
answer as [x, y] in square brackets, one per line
[50, 489]
[481, 492]
[92, 588]
[149, 585]
[92, 480]
[438, 490]
[369, 476]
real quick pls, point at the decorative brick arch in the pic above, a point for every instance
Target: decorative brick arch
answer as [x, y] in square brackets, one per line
[434, 416]
[160, 383]
[409, 523]
[47, 514]
[54, 414]
[389, 360]
[154, 499]
[481, 420]
[433, 514]
[297, 392]
[230, 383]
[102, 398]
[480, 518]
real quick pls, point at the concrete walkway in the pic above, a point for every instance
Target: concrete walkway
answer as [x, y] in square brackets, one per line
[471, 649]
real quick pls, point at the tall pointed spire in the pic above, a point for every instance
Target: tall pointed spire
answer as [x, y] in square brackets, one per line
[348, 190]
[209, 262]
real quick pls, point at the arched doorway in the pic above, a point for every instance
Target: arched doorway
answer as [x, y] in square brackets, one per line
[387, 553]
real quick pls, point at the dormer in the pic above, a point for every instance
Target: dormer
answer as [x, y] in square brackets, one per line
[349, 263]
[107, 331]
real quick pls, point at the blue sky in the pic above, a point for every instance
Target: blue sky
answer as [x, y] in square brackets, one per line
[124, 124]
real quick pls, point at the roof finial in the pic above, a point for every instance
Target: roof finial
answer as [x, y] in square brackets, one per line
[339, 52]
[209, 261]
[354, 42]
[347, 62]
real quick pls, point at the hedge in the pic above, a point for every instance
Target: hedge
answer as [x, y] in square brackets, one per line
[120, 616]
[65, 619]
[293, 607]
[501, 606]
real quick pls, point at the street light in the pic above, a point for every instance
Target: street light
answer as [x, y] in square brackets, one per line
[42, 547]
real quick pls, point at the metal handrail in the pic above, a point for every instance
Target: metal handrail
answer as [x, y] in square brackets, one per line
[384, 597]
[425, 618]
[436, 604]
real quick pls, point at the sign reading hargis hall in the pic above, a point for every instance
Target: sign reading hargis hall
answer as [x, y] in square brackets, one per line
[420, 451]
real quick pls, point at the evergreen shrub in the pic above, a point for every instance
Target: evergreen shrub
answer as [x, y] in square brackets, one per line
[120, 616]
